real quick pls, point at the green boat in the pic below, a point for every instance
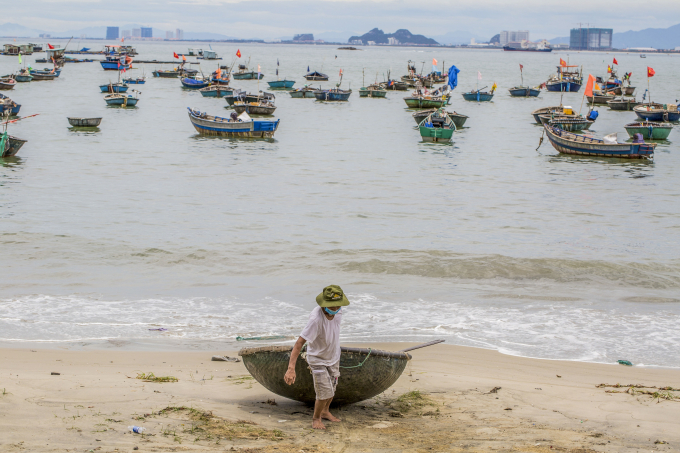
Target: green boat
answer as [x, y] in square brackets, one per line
[365, 373]
[437, 127]
[304, 92]
[372, 91]
[426, 102]
[649, 130]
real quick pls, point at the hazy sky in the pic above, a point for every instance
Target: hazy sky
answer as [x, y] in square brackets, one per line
[277, 18]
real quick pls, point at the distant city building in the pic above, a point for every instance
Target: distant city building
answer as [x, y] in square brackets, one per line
[179, 34]
[560, 46]
[127, 34]
[371, 43]
[591, 39]
[393, 41]
[169, 35]
[305, 37]
[44, 35]
[513, 36]
[147, 32]
[136, 32]
[357, 42]
[111, 33]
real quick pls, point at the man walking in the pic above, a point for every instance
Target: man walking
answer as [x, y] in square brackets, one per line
[322, 334]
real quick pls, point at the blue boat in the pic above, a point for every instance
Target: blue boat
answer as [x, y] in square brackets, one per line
[524, 92]
[124, 100]
[236, 126]
[8, 105]
[281, 83]
[116, 63]
[334, 94]
[478, 96]
[658, 112]
[194, 84]
[114, 88]
[137, 81]
[46, 71]
[570, 143]
[216, 91]
[567, 80]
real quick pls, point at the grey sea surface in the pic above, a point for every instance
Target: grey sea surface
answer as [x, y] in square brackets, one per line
[485, 242]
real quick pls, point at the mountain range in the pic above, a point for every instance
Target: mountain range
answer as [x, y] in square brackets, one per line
[402, 35]
[658, 38]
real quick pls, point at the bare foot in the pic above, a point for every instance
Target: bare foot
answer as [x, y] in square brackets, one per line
[330, 417]
[318, 424]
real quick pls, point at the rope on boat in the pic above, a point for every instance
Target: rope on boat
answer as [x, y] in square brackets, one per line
[362, 363]
[540, 142]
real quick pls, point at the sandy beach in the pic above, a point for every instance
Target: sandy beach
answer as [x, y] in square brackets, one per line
[448, 399]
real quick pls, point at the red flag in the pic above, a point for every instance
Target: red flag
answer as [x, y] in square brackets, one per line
[174, 54]
[563, 63]
[340, 72]
[238, 53]
[615, 62]
[521, 67]
[50, 46]
[650, 72]
[609, 69]
[122, 39]
[589, 86]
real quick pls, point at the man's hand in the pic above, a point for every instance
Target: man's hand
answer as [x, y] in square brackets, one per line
[290, 376]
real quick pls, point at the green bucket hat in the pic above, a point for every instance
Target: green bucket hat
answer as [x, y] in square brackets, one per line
[332, 296]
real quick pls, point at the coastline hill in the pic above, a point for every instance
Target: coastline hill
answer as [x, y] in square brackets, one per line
[403, 36]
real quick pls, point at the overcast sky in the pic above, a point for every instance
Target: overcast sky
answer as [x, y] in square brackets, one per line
[278, 18]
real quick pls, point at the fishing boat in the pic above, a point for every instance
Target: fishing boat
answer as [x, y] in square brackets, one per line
[457, 118]
[7, 83]
[437, 127]
[8, 106]
[649, 130]
[643, 55]
[568, 123]
[236, 126]
[622, 104]
[244, 74]
[524, 92]
[262, 107]
[624, 90]
[84, 122]
[135, 80]
[12, 145]
[316, 75]
[657, 112]
[478, 96]
[216, 91]
[365, 372]
[281, 84]
[372, 91]
[23, 76]
[237, 95]
[394, 85]
[426, 101]
[567, 79]
[194, 84]
[333, 94]
[167, 73]
[582, 145]
[304, 92]
[114, 88]
[116, 62]
[220, 78]
[546, 110]
[121, 100]
[599, 97]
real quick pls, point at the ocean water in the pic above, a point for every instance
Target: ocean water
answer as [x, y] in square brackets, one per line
[485, 242]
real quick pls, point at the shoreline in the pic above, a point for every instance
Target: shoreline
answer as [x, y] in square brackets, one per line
[463, 399]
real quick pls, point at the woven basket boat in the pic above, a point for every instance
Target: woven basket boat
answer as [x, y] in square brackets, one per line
[364, 373]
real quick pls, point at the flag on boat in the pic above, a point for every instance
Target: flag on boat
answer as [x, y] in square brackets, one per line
[238, 53]
[493, 87]
[453, 77]
[434, 62]
[19, 57]
[122, 39]
[258, 72]
[650, 72]
[50, 46]
[341, 73]
[563, 63]
[589, 85]
[520, 67]
[307, 68]
[174, 54]
[479, 75]
[609, 69]
[615, 62]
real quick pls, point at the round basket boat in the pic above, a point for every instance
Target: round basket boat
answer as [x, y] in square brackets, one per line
[364, 373]
[84, 122]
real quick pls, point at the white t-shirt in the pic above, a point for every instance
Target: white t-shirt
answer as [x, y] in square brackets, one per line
[323, 338]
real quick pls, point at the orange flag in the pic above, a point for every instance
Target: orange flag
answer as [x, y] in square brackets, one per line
[238, 53]
[589, 86]
[650, 72]
[563, 63]
[434, 62]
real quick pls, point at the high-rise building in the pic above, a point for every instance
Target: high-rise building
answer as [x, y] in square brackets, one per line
[136, 32]
[513, 36]
[147, 32]
[126, 33]
[591, 38]
[169, 35]
[179, 34]
[111, 33]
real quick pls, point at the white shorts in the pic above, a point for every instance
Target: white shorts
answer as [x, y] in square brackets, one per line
[325, 380]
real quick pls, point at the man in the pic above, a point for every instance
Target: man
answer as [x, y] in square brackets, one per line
[322, 334]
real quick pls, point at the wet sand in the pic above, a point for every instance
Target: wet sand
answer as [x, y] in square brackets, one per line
[448, 399]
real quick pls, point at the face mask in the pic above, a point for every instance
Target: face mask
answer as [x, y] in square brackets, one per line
[332, 313]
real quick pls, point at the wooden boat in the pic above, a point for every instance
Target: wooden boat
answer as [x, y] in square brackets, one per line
[426, 102]
[8, 105]
[12, 145]
[244, 74]
[40, 76]
[600, 98]
[23, 76]
[114, 88]
[567, 79]
[458, 119]
[262, 95]
[166, 74]
[135, 81]
[622, 104]
[242, 126]
[437, 127]
[574, 123]
[304, 92]
[84, 122]
[263, 107]
[524, 92]
[7, 83]
[545, 110]
[657, 112]
[194, 84]
[47, 71]
[365, 372]
[372, 91]
[570, 143]
[216, 91]
[649, 130]
[415, 81]
[316, 75]
[121, 100]
[394, 85]
[478, 96]
[334, 94]
[627, 91]
[237, 95]
[281, 84]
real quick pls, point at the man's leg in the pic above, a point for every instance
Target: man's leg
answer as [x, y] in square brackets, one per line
[334, 375]
[319, 407]
[326, 413]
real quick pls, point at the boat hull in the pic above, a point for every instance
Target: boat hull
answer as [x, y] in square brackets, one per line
[41, 77]
[113, 88]
[524, 92]
[302, 94]
[570, 143]
[217, 92]
[571, 124]
[570, 87]
[7, 85]
[372, 93]
[458, 119]
[121, 101]
[113, 66]
[193, 84]
[328, 95]
[431, 134]
[247, 76]
[23, 78]
[13, 146]
[656, 115]
[84, 122]
[280, 84]
[166, 74]
[650, 131]
[423, 103]
[545, 111]
[379, 370]
[249, 129]
[254, 109]
[478, 97]
[627, 105]
[599, 99]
